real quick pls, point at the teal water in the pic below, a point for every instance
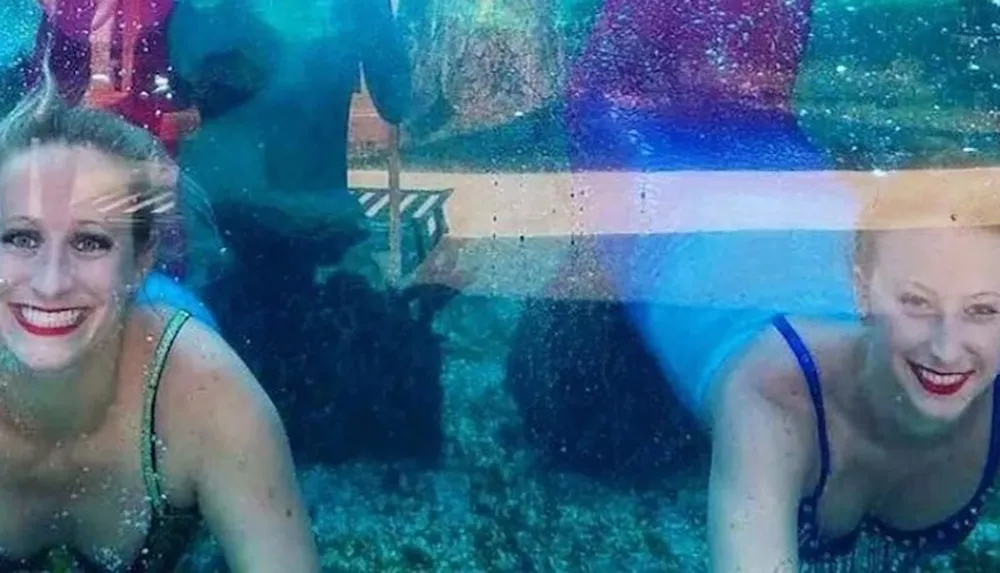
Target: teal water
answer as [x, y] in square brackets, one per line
[547, 410]
[514, 493]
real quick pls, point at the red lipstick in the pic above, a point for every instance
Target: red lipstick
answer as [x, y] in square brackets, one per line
[69, 322]
[940, 383]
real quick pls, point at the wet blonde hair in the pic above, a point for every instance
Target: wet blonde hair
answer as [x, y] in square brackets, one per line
[161, 196]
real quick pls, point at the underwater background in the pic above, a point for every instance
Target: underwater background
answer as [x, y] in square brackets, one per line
[499, 411]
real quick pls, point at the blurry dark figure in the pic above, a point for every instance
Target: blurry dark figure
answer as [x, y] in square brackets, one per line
[593, 398]
[365, 39]
[279, 101]
[224, 72]
[354, 371]
[228, 79]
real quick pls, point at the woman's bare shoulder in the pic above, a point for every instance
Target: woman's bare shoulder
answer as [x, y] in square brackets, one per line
[202, 366]
[196, 351]
[765, 402]
[205, 389]
[769, 372]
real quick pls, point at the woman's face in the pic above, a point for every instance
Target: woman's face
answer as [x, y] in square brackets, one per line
[67, 261]
[934, 299]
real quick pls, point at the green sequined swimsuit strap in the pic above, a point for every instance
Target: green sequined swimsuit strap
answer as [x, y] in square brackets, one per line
[149, 474]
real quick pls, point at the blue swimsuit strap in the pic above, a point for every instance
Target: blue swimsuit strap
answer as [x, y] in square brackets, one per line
[993, 455]
[811, 374]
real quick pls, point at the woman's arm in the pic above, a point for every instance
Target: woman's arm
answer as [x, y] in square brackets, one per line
[760, 458]
[244, 474]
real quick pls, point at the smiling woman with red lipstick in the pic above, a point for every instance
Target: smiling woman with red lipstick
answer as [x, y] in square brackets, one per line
[871, 445]
[125, 424]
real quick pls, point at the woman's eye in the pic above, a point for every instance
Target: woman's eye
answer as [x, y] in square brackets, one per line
[90, 243]
[983, 310]
[914, 301]
[21, 239]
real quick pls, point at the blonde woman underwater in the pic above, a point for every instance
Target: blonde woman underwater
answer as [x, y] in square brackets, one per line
[847, 378]
[126, 422]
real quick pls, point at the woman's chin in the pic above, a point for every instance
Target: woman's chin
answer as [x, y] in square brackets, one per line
[45, 364]
[943, 409]
[45, 352]
[40, 355]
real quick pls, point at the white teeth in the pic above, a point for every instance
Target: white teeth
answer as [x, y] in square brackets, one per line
[47, 319]
[942, 379]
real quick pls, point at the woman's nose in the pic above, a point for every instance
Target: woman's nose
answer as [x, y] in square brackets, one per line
[946, 341]
[52, 274]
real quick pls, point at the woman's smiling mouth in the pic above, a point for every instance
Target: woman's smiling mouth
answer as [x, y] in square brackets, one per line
[49, 322]
[940, 383]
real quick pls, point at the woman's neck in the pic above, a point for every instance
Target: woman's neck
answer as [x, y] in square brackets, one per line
[61, 405]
